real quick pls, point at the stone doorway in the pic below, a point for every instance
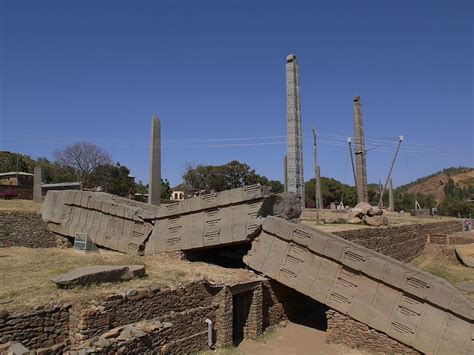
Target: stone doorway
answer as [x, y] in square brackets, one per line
[241, 303]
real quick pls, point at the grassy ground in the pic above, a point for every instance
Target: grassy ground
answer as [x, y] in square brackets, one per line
[25, 275]
[19, 206]
[434, 261]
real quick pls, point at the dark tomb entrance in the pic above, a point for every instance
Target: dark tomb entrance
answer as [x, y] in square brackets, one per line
[240, 308]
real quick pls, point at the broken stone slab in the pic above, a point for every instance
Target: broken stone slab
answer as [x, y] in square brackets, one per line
[284, 205]
[227, 217]
[354, 220]
[375, 221]
[383, 290]
[364, 207]
[375, 211]
[13, 348]
[98, 274]
[465, 253]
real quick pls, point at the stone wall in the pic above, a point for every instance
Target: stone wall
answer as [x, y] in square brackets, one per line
[141, 314]
[18, 229]
[456, 239]
[44, 328]
[403, 243]
[344, 330]
[138, 305]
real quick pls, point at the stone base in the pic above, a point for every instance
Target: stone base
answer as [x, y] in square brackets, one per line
[344, 330]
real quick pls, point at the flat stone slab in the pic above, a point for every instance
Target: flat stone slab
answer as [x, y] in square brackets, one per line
[466, 254]
[98, 274]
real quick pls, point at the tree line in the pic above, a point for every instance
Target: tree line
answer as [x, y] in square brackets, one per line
[455, 201]
[83, 162]
[93, 168]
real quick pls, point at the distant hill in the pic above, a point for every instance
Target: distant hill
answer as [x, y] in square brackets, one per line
[434, 184]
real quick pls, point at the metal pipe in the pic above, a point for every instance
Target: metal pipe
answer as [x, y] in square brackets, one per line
[209, 333]
[349, 140]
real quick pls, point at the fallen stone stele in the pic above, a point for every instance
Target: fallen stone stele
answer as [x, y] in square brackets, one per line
[97, 274]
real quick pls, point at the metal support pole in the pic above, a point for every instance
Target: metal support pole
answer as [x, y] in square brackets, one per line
[400, 140]
[349, 140]
[317, 187]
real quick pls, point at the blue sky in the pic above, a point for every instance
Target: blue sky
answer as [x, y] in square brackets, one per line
[214, 72]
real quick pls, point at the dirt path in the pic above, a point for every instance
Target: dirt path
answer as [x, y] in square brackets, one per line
[295, 339]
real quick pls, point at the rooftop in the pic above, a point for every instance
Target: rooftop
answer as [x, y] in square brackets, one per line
[14, 173]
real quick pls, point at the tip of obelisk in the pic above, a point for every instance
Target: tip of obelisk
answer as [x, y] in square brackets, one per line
[155, 116]
[356, 98]
[290, 57]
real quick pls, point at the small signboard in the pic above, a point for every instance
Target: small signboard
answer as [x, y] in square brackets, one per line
[83, 244]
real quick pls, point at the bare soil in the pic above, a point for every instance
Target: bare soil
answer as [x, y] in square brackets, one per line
[435, 185]
[294, 339]
[25, 275]
[394, 218]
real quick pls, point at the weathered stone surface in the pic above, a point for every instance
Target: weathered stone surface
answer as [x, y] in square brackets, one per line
[411, 306]
[13, 348]
[404, 242]
[354, 220]
[466, 286]
[466, 254]
[375, 221]
[363, 212]
[284, 205]
[342, 329]
[99, 274]
[132, 227]
[362, 207]
[154, 195]
[294, 158]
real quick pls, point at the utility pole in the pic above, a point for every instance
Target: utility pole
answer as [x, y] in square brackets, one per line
[317, 179]
[349, 140]
[400, 140]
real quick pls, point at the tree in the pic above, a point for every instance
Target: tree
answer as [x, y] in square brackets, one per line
[114, 179]
[455, 200]
[332, 191]
[16, 162]
[165, 190]
[223, 177]
[83, 158]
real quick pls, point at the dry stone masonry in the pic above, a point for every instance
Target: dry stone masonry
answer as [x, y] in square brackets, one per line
[23, 229]
[403, 243]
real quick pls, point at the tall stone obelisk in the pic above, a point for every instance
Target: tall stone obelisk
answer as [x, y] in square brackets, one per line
[294, 160]
[154, 184]
[37, 185]
[391, 201]
[361, 169]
